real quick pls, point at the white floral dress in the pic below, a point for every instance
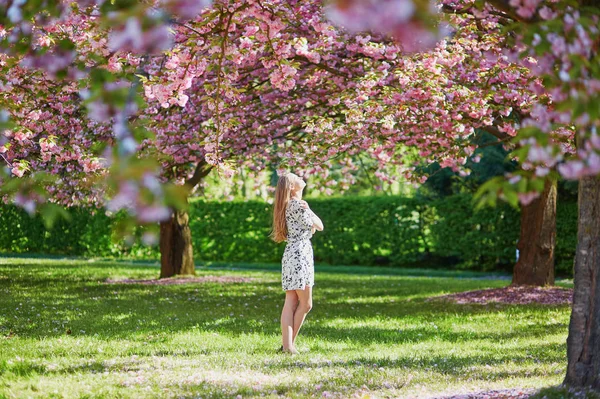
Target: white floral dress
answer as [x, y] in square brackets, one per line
[297, 265]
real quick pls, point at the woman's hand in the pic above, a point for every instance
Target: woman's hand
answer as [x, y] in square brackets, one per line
[317, 223]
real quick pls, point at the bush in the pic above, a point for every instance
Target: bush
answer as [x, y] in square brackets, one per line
[89, 233]
[566, 237]
[481, 240]
[385, 230]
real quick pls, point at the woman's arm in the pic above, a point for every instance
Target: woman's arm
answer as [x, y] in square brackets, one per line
[317, 223]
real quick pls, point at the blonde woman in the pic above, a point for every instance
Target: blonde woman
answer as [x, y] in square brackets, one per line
[294, 222]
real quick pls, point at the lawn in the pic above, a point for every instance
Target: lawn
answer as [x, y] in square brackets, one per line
[66, 332]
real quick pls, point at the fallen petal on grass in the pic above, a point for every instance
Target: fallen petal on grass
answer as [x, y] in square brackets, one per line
[183, 280]
[514, 295]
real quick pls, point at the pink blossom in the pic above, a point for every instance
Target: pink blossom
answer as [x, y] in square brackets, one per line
[125, 198]
[227, 171]
[149, 214]
[25, 202]
[525, 8]
[358, 16]
[182, 100]
[528, 198]
[542, 171]
[250, 30]
[572, 170]
[44, 41]
[14, 12]
[593, 163]
[132, 38]
[114, 65]
[99, 111]
[186, 9]
[595, 141]
[18, 171]
[90, 165]
[51, 62]
[172, 62]
[546, 13]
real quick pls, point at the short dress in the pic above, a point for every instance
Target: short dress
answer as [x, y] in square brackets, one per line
[297, 265]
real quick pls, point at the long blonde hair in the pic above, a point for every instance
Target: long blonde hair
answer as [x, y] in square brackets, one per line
[283, 193]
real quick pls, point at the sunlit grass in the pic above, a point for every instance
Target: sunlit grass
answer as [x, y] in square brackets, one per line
[65, 332]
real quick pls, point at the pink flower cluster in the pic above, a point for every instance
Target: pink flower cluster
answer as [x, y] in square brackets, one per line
[186, 9]
[572, 85]
[261, 83]
[397, 18]
[129, 197]
[525, 8]
[131, 37]
[283, 77]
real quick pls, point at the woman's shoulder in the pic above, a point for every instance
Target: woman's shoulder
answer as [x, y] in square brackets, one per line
[293, 203]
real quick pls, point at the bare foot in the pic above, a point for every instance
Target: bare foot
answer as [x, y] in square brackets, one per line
[291, 351]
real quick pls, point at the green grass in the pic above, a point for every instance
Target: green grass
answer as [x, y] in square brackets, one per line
[367, 335]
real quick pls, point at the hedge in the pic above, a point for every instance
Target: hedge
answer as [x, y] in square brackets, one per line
[388, 230]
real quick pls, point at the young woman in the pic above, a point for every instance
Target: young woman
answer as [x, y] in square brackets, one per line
[294, 222]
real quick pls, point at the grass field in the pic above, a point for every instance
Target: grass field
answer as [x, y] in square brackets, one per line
[66, 333]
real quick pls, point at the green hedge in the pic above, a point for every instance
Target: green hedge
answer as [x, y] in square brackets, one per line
[358, 230]
[481, 240]
[88, 233]
[566, 237]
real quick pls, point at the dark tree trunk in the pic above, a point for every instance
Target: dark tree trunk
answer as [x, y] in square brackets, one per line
[538, 229]
[537, 241]
[583, 343]
[176, 252]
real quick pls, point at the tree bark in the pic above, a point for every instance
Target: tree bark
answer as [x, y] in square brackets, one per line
[583, 343]
[537, 240]
[176, 252]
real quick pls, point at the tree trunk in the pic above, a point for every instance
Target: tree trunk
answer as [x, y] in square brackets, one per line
[583, 343]
[176, 253]
[535, 265]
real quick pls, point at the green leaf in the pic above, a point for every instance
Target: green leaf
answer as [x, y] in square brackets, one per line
[510, 195]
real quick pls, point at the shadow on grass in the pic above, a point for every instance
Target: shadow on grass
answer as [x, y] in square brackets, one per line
[47, 300]
[451, 364]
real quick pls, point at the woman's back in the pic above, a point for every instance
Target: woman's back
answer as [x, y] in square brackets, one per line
[298, 221]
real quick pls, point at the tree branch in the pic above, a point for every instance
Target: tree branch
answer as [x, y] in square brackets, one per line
[504, 6]
[320, 66]
[494, 131]
[202, 170]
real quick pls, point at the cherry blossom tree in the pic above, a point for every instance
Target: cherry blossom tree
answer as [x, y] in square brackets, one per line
[241, 84]
[558, 42]
[54, 67]
[278, 57]
[255, 64]
[440, 100]
[240, 87]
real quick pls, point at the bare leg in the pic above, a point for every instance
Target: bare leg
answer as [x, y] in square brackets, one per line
[304, 306]
[287, 319]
